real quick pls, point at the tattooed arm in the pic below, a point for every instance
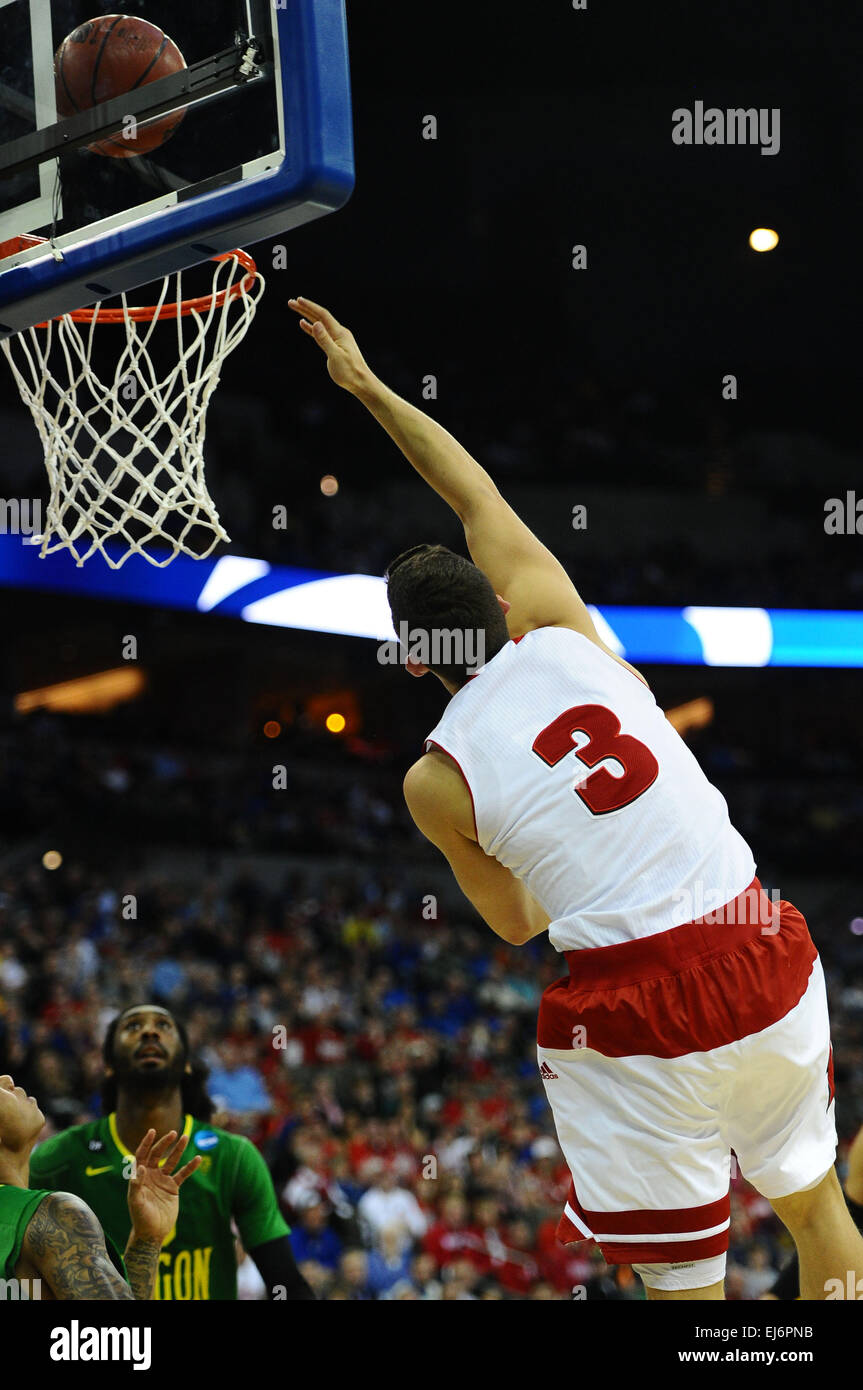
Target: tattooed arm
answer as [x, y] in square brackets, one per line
[66, 1245]
[141, 1259]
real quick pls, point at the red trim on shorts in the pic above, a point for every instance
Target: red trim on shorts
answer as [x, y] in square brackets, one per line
[665, 1251]
[693, 988]
[432, 743]
[648, 1223]
[629, 962]
[659, 1222]
[567, 1232]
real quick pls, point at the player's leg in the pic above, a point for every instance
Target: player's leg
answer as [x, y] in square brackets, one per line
[787, 1146]
[854, 1177]
[715, 1291]
[711, 1291]
[828, 1243]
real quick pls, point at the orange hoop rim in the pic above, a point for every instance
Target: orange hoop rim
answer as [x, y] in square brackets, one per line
[146, 313]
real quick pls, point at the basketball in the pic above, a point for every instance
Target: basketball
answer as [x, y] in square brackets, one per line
[107, 57]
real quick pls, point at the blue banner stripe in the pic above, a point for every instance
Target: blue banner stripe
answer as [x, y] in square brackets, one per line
[653, 636]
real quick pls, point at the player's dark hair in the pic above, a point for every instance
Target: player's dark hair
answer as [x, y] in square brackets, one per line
[193, 1088]
[432, 589]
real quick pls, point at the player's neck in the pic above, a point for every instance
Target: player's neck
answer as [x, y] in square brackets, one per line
[15, 1169]
[161, 1111]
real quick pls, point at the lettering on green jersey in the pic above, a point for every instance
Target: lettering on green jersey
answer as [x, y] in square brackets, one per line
[184, 1276]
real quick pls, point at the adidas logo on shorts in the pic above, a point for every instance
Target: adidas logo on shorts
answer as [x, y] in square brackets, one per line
[547, 1074]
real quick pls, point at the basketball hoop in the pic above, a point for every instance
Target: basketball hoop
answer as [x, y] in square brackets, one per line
[124, 451]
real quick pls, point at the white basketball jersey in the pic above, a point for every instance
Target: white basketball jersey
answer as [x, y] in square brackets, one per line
[583, 789]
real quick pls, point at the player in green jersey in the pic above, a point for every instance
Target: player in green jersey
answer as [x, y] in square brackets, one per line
[51, 1245]
[151, 1083]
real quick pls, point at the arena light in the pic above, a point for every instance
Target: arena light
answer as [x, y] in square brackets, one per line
[329, 485]
[87, 694]
[354, 605]
[51, 859]
[230, 573]
[336, 711]
[763, 239]
[694, 714]
[732, 636]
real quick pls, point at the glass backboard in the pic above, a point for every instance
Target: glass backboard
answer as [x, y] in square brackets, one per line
[264, 144]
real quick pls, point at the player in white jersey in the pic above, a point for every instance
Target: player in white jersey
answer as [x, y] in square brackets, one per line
[693, 1020]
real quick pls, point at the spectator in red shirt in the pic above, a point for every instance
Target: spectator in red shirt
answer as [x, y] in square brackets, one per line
[451, 1237]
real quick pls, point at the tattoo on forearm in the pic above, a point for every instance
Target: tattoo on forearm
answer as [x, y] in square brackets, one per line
[65, 1242]
[142, 1262]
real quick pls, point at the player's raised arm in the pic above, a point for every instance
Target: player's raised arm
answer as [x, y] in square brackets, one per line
[519, 566]
[153, 1201]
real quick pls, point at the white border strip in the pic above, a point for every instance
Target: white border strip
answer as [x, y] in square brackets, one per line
[577, 1222]
[23, 218]
[649, 1237]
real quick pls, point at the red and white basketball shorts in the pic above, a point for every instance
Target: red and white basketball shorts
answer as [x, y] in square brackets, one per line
[661, 1055]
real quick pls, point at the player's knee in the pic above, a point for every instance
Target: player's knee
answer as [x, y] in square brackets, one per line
[808, 1206]
[684, 1276]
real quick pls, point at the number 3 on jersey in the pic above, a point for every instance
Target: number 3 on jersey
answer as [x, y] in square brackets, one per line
[601, 791]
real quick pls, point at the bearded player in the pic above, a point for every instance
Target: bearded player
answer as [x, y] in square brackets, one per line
[52, 1241]
[567, 804]
[151, 1083]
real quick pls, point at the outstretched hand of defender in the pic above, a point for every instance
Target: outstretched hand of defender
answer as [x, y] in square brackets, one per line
[345, 362]
[154, 1187]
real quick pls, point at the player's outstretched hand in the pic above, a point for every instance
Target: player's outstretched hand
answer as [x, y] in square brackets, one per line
[154, 1190]
[345, 362]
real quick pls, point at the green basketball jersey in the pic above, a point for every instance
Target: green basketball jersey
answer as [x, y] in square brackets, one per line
[198, 1259]
[17, 1205]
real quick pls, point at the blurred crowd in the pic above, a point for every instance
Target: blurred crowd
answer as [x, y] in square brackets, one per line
[797, 800]
[380, 1052]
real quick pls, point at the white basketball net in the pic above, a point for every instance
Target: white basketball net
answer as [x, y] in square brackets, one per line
[125, 455]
